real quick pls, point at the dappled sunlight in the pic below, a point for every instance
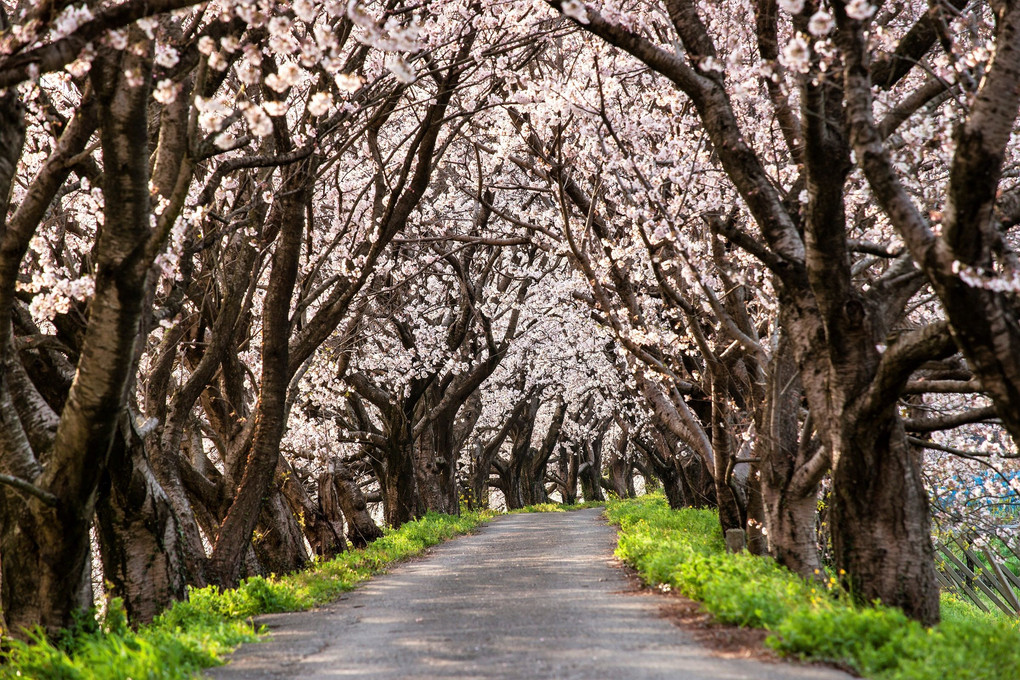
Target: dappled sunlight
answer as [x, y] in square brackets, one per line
[530, 596]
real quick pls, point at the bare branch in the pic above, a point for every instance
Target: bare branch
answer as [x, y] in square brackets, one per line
[31, 489]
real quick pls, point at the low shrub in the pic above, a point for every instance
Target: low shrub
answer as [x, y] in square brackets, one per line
[684, 550]
[559, 507]
[197, 633]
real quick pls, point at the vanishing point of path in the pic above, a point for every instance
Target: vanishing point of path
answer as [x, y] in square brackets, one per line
[529, 597]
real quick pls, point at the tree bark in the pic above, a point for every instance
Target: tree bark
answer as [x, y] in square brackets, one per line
[881, 530]
[398, 484]
[277, 539]
[589, 472]
[790, 472]
[270, 416]
[731, 510]
[46, 557]
[361, 528]
[322, 522]
[520, 482]
[435, 467]
[139, 535]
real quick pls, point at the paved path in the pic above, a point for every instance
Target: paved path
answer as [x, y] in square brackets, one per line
[529, 597]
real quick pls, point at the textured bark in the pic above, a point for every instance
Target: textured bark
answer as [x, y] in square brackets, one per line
[757, 534]
[880, 523]
[522, 487]
[435, 467]
[672, 486]
[139, 539]
[731, 508]
[328, 500]
[790, 472]
[589, 472]
[566, 468]
[278, 541]
[46, 557]
[270, 416]
[361, 528]
[324, 529]
[621, 471]
[398, 484]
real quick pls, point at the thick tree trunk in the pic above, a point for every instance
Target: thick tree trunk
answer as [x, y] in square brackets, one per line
[45, 572]
[880, 521]
[673, 487]
[792, 536]
[790, 472]
[399, 487]
[164, 467]
[757, 535]
[46, 546]
[435, 468]
[526, 480]
[278, 541]
[621, 477]
[589, 472]
[361, 528]
[478, 478]
[324, 532]
[567, 470]
[519, 470]
[139, 536]
[621, 480]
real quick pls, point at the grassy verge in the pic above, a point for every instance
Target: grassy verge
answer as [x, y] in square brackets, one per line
[196, 634]
[684, 550]
[559, 507]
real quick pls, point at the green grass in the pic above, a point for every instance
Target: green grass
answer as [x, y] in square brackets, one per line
[684, 550]
[197, 633]
[558, 507]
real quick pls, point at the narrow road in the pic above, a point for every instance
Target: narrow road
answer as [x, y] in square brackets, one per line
[528, 597]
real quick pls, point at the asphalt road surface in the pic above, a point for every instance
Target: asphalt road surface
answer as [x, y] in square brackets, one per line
[528, 597]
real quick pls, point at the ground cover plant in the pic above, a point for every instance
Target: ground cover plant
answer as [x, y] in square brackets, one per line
[552, 506]
[197, 633]
[684, 550]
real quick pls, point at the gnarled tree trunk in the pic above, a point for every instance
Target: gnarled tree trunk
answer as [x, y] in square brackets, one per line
[324, 531]
[339, 485]
[880, 522]
[278, 540]
[139, 536]
[271, 411]
[46, 543]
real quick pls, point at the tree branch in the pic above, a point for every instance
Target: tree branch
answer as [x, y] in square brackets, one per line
[31, 489]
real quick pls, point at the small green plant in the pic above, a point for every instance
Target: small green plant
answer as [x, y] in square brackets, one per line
[197, 633]
[559, 507]
[684, 550]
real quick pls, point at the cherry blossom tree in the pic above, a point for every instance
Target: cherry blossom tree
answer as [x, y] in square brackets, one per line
[270, 271]
[844, 329]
